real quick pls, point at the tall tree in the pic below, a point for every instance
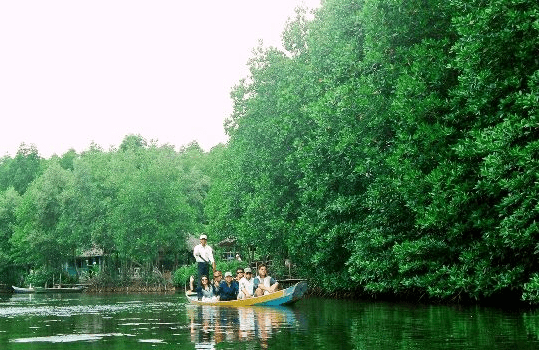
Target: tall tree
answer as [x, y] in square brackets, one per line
[9, 201]
[151, 176]
[22, 169]
[37, 239]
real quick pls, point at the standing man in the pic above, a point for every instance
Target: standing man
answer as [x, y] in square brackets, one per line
[204, 256]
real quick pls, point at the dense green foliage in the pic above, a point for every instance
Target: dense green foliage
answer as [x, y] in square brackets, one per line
[136, 204]
[391, 147]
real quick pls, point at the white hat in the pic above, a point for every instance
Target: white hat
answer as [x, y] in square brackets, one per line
[203, 237]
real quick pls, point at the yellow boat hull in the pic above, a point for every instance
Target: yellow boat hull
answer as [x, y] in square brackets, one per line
[286, 296]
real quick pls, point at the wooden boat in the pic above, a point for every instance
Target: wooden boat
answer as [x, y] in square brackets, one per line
[20, 290]
[77, 289]
[281, 297]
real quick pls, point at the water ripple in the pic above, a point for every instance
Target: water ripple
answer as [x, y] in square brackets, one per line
[65, 311]
[65, 338]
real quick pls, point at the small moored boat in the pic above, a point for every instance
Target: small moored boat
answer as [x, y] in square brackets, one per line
[281, 297]
[20, 290]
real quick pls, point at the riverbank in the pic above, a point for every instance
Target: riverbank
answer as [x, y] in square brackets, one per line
[134, 288]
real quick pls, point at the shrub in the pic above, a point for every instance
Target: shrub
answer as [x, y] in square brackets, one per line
[47, 277]
[181, 275]
[531, 290]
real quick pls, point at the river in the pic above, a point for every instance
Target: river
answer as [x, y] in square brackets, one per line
[165, 321]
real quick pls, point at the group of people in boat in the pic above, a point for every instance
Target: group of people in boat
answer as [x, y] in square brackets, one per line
[241, 286]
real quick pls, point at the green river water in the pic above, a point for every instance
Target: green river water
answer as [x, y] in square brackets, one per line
[165, 321]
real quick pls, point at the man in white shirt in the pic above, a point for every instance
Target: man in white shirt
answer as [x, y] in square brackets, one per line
[246, 285]
[204, 256]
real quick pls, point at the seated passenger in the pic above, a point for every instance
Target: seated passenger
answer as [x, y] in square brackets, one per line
[216, 282]
[205, 291]
[228, 288]
[191, 283]
[246, 287]
[239, 274]
[264, 284]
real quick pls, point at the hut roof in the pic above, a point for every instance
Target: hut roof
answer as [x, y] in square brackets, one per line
[94, 251]
[227, 242]
[191, 241]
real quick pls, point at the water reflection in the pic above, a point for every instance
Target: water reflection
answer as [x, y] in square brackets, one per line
[211, 325]
[112, 322]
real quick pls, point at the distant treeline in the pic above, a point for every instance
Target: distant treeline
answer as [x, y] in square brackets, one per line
[137, 203]
[391, 148]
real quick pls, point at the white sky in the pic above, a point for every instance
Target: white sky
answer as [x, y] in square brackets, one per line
[74, 71]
